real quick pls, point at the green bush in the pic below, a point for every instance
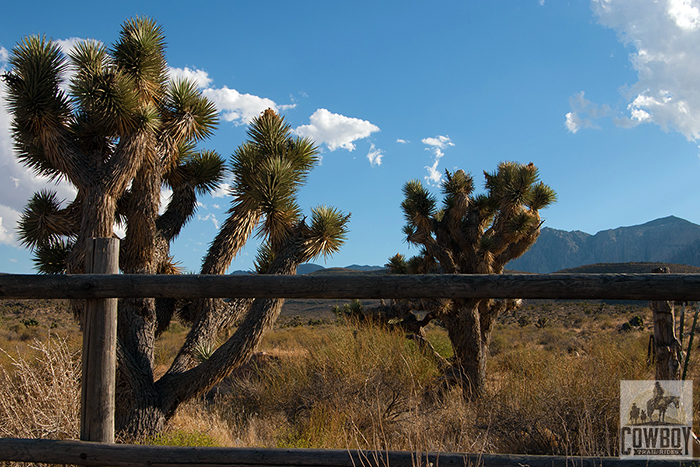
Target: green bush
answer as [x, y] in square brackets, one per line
[181, 438]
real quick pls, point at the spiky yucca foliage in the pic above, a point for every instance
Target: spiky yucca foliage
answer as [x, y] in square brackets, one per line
[268, 170]
[119, 132]
[123, 132]
[472, 235]
[120, 123]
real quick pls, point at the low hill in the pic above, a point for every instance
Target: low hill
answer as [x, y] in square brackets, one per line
[630, 268]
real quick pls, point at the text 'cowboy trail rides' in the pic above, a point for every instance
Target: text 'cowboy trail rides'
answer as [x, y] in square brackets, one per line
[656, 419]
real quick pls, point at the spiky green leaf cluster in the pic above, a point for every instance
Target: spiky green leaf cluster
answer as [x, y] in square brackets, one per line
[268, 171]
[474, 233]
[51, 258]
[203, 170]
[327, 232]
[140, 53]
[191, 115]
[43, 222]
[120, 109]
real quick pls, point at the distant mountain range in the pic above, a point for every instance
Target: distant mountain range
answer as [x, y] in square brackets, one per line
[309, 268]
[315, 268]
[666, 240]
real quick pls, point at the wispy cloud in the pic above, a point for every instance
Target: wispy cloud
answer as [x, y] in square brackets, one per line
[8, 220]
[663, 37]
[402, 141]
[209, 217]
[584, 112]
[375, 156]
[335, 130]
[436, 145]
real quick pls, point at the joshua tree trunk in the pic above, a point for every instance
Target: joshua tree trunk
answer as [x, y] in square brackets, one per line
[469, 328]
[472, 235]
[146, 410]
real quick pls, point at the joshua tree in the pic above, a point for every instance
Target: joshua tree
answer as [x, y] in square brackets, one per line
[472, 235]
[120, 124]
[120, 134]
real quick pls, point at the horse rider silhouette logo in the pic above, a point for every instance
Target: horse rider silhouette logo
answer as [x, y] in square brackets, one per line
[656, 419]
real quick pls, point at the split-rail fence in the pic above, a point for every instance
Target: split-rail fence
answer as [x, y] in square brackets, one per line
[103, 286]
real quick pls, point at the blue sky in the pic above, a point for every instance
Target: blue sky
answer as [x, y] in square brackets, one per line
[602, 95]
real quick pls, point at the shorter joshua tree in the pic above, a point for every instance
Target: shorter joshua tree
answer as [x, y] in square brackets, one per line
[471, 235]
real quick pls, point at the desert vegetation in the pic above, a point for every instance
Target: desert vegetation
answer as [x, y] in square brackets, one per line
[122, 132]
[550, 389]
[534, 378]
[470, 234]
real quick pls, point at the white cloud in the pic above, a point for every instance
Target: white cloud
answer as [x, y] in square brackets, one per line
[584, 112]
[335, 130]
[241, 108]
[664, 41]
[165, 195]
[221, 191]
[402, 141]
[200, 77]
[209, 217]
[375, 156]
[119, 230]
[440, 142]
[684, 14]
[434, 176]
[8, 221]
[67, 45]
[4, 57]
[436, 145]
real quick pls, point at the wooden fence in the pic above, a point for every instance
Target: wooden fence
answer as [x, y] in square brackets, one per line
[102, 290]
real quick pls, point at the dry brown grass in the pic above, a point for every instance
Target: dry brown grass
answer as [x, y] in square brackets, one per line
[371, 389]
[40, 392]
[551, 390]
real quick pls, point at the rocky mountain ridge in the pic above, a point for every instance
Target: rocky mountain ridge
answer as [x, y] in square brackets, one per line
[668, 240]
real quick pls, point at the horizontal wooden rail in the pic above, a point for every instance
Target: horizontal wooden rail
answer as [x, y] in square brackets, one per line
[681, 287]
[86, 453]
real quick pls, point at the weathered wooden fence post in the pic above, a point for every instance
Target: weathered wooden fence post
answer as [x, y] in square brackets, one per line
[666, 344]
[99, 348]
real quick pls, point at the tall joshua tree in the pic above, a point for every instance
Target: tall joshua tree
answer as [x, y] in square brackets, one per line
[120, 133]
[472, 235]
[268, 170]
[120, 124]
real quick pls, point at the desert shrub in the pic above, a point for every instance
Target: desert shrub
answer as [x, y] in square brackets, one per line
[499, 343]
[181, 438]
[351, 384]
[40, 392]
[437, 336]
[524, 320]
[542, 322]
[560, 404]
[194, 425]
